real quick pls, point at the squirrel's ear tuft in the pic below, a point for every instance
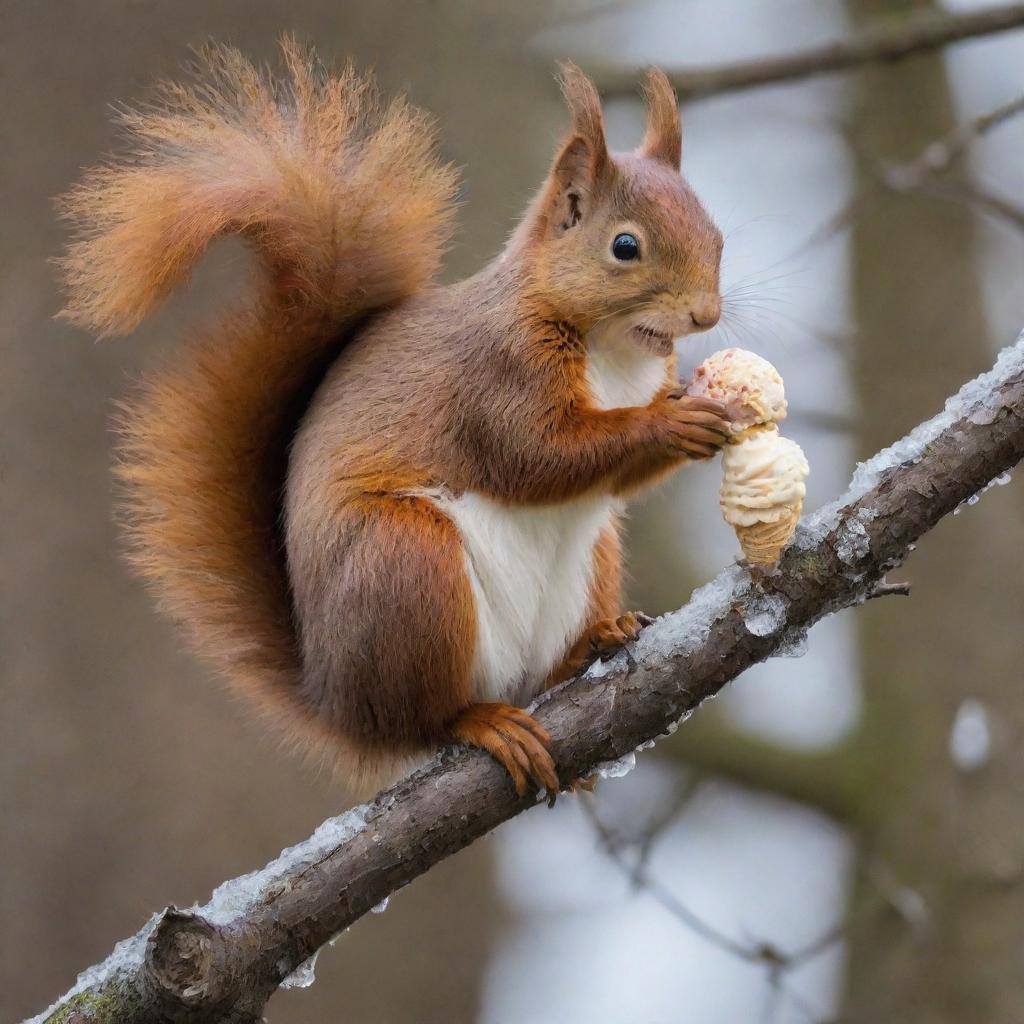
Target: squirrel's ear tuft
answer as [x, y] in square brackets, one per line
[585, 107]
[663, 139]
[583, 161]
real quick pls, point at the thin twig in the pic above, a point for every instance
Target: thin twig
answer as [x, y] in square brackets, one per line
[883, 589]
[777, 962]
[975, 195]
[940, 155]
[925, 174]
[640, 878]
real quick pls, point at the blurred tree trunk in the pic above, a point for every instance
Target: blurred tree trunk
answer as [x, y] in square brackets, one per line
[954, 836]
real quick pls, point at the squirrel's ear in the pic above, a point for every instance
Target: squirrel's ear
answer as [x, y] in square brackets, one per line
[663, 139]
[583, 162]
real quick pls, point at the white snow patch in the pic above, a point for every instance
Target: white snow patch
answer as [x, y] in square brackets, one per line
[229, 901]
[999, 481]
[794, 644]
[601, 668]
[852, 540]
[232, 899]
[614, 769]
[304, 975]
[765, 613]
[681, 632]
[124, 959]
[980, 400]
[812, 530]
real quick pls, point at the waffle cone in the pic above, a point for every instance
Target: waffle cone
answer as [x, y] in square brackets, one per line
[762, 543]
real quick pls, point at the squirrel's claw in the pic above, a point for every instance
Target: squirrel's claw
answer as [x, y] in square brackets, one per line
[606, 636]
[601, 640]
[515, 740]
[698, 426]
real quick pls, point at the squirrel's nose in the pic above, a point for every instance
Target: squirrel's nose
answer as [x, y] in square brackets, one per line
[705, 311]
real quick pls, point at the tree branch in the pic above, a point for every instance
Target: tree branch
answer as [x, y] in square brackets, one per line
[891, 40]
[940, 155]
[220, 962]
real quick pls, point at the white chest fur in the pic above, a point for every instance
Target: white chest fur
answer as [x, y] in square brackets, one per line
[530, 570]
[620, 372]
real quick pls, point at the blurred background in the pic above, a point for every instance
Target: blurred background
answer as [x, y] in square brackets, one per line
[841, 836]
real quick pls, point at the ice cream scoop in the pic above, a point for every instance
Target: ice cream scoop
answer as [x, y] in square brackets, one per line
[762, 491]
[748, 386]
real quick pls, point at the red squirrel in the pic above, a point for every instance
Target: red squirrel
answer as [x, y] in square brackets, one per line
[386, 508]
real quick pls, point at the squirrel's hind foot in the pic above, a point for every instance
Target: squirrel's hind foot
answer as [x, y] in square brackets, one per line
[515, 740]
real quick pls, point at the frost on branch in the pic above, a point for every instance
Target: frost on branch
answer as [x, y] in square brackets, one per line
[979, 401]
[235, 898]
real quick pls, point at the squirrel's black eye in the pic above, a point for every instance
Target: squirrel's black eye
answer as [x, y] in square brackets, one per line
[625, 247]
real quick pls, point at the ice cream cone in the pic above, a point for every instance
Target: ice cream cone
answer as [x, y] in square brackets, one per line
[763, 473]
[763, 543]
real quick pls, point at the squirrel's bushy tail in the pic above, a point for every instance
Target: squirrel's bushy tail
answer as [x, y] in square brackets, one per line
[348, 208]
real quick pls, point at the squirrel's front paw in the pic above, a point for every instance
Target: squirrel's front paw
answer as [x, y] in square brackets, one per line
[601, 640]
[694, 427]
[606, 636]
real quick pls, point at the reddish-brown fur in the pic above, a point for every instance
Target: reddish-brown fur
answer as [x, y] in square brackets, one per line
[356, 623]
